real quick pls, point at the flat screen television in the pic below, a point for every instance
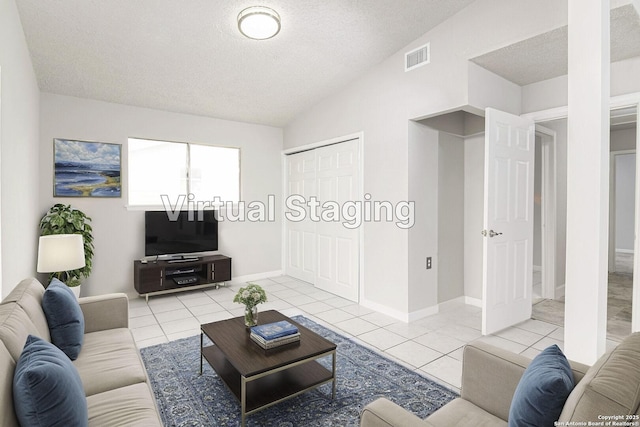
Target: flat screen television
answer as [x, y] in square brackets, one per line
[191, 232]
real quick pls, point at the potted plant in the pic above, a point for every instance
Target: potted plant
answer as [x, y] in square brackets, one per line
[63, 219]
[250, 296]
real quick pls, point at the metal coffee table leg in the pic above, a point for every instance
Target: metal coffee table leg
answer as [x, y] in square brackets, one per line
[201, 356]
[243, 399]
[333, 391]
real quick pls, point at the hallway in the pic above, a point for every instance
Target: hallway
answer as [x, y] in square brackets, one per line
[618, 307]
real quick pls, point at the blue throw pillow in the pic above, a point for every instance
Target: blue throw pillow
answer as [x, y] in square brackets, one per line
[47, 390]
[65, 318]
[542, 390]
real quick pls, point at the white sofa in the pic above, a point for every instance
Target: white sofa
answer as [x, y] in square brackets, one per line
[607, 391]
[113, 375]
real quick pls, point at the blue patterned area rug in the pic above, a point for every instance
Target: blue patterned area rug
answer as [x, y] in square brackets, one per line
[186, 398]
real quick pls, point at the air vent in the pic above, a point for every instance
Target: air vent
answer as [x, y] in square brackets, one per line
[417, 57]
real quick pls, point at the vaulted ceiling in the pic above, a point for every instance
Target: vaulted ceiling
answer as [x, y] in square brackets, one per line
[189, 57]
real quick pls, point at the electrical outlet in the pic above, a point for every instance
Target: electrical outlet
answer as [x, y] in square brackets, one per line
[428, 263]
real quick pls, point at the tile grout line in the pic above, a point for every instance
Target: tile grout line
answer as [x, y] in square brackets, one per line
[321, 301]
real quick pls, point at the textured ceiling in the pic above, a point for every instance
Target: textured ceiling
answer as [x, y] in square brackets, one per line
[188, 56]
[545, 56]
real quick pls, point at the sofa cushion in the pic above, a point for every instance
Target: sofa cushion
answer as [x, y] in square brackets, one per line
[7, 369]
[109, 360]
[542, 390]
[65, 318]
[133, 405]
[15, 326]
[30, 286]
[46, 387]
[28, 295]
[611, 386]
[385, 413]
[462, 413]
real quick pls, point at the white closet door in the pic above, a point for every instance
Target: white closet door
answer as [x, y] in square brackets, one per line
[338, 246]
[325, 253]
[301, 235]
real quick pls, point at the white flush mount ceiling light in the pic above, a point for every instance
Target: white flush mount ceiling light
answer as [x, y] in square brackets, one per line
[259, 22]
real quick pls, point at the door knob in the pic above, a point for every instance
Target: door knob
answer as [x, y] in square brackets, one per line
[491, 233]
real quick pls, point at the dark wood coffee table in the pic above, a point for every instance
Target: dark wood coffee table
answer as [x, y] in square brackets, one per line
[260, 378]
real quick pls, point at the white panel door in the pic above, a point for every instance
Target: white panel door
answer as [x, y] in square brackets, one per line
[301, 235]
[508, 220]
[337, 178]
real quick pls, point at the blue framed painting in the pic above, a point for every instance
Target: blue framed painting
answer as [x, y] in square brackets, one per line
[86, 169]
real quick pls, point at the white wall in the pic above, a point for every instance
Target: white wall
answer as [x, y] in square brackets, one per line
[423, 236]
[448, 131]
[19, 99]
[473, 215]
[487, 89]
[451, 179]
[553, 93]
[622, 227]
[560, 127]
[537, 205]
[118, 232]
[544, 95]
[382, 101]
[625, 179]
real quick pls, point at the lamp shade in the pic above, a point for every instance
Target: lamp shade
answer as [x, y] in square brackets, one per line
[60, 252]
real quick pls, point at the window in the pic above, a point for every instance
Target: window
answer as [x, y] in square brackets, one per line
[176, 169]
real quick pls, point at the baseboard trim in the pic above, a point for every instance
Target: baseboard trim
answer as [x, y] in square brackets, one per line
[256, 276]
[625, 251]
[476, 302]
[452, 303]
[387, 311]
[397, 314]
[559, 292]
[425, 312]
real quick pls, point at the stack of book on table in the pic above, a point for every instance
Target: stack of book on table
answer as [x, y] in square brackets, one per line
[275, 334]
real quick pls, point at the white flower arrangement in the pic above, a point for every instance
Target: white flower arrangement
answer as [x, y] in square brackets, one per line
[251, 296]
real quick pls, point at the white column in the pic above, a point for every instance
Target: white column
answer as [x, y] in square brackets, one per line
[587, 180]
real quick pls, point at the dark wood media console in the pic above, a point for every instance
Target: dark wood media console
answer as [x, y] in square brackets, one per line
[164, 276]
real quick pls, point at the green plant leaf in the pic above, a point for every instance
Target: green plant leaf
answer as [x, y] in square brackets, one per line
[57, 221]
[63, 219]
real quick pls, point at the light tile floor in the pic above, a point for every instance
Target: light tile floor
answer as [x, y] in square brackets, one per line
[431, 346]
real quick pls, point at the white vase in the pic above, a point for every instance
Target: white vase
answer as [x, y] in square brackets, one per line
[76, 290]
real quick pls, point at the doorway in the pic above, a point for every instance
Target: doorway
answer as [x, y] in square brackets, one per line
[545, 249]
[461, 188]
[622, 232]
[622, 190]
[620, 283]
[622, 215]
